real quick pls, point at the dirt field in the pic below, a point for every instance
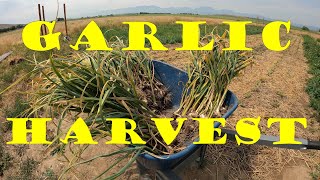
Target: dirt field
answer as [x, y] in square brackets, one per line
[273, 87]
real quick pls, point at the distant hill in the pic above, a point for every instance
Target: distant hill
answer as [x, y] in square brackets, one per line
[4, 26]
[188, 10]
[9, 27]
[173, 10]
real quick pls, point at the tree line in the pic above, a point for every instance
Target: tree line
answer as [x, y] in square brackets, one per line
[11, 28]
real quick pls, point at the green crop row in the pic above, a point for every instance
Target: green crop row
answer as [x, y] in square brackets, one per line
[312, 53]
[172, 33]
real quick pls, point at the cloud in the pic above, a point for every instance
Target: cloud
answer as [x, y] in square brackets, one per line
[298, 11]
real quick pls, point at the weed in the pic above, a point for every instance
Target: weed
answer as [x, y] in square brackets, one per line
[280, 94]
[247, 95]
[273, 68]
[49, 175]
[275, 104]
[257, 85]
[305, 28]
[8, 76]
[26, 169]
[315, 175]
[6, 126]
[5, 160]
[20, 149]
[19, 107]
[312, 53]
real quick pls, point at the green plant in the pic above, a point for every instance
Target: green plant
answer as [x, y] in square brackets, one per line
[8, 76]
[312, 53]
[281, 94]
[49, 175]
[170, 33]
[305, 28]
[18, 109]
[315, 175]
[26, 169]
[5, 159]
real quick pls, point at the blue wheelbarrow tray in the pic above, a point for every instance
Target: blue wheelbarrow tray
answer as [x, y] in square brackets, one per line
[175, 79]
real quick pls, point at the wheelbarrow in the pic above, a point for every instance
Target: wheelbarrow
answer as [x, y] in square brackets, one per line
[166, 166]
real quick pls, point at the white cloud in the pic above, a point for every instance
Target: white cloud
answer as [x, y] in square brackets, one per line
[298, 11]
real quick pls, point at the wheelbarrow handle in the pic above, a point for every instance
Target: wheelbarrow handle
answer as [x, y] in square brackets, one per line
[269, 140]
[313, 145]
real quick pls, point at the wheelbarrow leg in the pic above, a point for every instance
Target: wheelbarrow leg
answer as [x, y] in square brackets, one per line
[143, 171]
[167, 175]
[202, 155]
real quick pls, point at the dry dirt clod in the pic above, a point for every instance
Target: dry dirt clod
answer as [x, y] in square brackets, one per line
[16, 61]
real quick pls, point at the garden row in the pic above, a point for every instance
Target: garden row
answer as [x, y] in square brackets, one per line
[312, 53]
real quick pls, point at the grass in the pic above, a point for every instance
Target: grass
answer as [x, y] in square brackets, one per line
[19, 107]
[26, 170]
[273, 68]
[312, 53]
[172, 33]
[222, 16]
[5, 159]
[315, 175]
[281, 94]
[8, 77]
[16, 110]
[49, 175]
[10, 73]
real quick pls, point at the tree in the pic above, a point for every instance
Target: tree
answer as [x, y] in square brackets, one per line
[305, 28]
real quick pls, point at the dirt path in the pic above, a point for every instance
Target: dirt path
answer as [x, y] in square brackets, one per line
[279, 91]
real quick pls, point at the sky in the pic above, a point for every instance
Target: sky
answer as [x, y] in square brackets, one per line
[306, 12]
